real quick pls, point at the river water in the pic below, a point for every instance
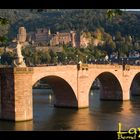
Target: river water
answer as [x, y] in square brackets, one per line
[100, 116]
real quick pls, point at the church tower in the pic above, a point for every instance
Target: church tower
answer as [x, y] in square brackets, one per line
[73, 39]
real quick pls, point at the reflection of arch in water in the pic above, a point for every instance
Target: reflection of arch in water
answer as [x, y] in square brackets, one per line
[110, 88]
[135, 85]
[59, 119]
[64, 95]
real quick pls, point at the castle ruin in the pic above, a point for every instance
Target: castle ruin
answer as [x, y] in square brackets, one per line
[44, 36]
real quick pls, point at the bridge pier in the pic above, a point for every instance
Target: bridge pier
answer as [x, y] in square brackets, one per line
[82, 96]
[16, 94]
[71, 86]
[126, 82]
[126, 92]
[82, 86]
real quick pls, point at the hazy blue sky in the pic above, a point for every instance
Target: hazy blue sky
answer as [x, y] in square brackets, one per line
[131, 9]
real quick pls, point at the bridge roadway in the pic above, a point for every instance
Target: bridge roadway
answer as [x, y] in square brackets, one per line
[71, 85]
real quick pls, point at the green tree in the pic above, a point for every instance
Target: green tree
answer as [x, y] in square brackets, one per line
[54, 57]
[45, 57]
[113, 13]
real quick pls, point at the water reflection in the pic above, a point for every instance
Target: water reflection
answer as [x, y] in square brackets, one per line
[100, 116]
[24, 126]
[59, 118]
[103, 106]
[62, 121]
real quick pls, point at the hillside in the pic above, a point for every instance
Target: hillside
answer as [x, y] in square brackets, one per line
[72, 19]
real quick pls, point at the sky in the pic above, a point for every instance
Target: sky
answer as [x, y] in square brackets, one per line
[131, 9]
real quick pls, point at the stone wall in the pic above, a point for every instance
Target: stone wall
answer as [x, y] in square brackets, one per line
[16, 94]
[71, 85]
[23, 94]
[7, 94]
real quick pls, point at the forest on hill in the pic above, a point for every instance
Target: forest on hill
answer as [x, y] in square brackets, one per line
[71, 19]
[120, 34]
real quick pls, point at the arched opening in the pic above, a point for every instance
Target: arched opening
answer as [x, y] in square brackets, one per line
[62, 93]
[109, 86]
[105, 87]
[135, 86]
[48, 92]
[135, 95]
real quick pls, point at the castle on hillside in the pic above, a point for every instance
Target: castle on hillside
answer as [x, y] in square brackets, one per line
[45, 37]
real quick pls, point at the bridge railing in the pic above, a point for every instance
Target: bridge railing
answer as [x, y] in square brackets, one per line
[106, 66]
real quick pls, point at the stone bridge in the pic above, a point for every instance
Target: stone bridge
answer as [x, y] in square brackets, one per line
[70, 83]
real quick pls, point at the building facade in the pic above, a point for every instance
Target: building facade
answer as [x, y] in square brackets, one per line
[44, 36]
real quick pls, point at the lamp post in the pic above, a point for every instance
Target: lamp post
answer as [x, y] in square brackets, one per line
[110, 61]
[127, 61]
[89, 60]
[56, 59]
[77, 58]
[95, 61]
[122, 61]
[86, 59]
[66, 59]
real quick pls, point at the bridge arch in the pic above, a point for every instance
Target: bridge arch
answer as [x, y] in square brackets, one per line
[110, 87]
[64, 95]
[135, 85]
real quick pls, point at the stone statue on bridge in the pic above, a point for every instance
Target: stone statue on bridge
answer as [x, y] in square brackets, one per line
[18, 61]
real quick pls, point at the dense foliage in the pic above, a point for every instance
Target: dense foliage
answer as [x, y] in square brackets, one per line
[72, 19]
[102, 24]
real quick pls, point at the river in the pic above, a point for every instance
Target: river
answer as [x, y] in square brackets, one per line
[100, 116]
